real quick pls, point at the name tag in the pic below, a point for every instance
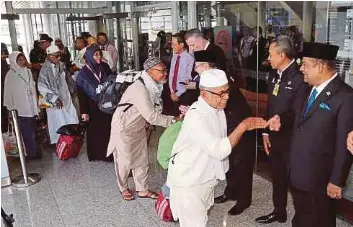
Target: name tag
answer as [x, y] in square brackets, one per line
[275, 89]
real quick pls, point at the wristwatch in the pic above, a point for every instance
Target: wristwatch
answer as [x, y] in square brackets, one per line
[174, 120]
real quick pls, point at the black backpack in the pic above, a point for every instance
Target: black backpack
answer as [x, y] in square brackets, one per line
[110, 92]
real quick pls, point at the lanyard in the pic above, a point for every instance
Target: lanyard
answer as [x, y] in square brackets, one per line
[27, 82]
[98, 77]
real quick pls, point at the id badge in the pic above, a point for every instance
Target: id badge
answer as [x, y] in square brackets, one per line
[275, 89]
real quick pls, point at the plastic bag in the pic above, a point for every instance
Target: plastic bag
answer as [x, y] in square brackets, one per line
[10, 142]
[166, 143]
[72, 129]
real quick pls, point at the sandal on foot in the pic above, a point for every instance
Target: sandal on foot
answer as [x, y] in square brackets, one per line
[149, 195]
[127, 195]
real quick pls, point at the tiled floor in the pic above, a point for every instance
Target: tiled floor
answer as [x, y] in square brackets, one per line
[78, 193]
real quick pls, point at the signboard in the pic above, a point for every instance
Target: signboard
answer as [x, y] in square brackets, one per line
[223, 39]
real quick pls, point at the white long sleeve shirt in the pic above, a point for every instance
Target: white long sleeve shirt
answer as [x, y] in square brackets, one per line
[200, 154]
[20, 93]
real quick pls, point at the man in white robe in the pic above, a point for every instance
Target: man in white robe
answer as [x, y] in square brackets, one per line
[200, 154]
[52, 85]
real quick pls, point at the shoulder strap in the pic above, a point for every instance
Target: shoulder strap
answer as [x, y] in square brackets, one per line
[128, 106]
[140, 79]
[173, 156]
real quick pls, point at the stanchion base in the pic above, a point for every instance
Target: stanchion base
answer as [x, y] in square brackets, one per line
[32, 178]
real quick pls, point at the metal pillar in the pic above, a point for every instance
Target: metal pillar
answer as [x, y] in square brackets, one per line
[25, 179]
[220, 19]
[12, 27]
[118, 41]
[175, 17]
[58, 19]
[308, 9]
[207, 14]
[92, 25]
[135, 35]
[261, 15]
[28, 31]
[192, 15]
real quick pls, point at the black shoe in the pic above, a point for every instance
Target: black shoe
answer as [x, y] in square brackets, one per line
[221, 199]
[236, 210]
[271, 218]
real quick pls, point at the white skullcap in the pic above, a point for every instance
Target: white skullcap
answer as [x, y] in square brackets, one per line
[213, 78]
[52, 49]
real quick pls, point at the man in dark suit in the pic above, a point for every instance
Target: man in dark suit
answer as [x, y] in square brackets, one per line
[196, 42]
[283, 84]
[242, 158]
[319, 161]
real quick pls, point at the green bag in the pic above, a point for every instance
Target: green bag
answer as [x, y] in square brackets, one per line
[166, 143]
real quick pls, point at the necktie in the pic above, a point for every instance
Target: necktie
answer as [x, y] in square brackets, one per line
[310, 101]
[175, 76]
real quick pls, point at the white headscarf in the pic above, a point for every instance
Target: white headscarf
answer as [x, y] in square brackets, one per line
[14, 65]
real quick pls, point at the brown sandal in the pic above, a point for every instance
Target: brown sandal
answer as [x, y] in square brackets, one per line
[127, 195]
[149, 195]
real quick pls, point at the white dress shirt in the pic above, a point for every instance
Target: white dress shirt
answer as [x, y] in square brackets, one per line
[200, 154]
[322, 86]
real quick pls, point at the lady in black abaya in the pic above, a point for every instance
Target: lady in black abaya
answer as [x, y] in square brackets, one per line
[98, 128]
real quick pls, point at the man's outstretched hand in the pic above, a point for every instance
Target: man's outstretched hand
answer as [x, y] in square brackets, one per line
[274, 123]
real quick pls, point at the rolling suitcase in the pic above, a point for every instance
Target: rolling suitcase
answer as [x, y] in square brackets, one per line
[70, 141]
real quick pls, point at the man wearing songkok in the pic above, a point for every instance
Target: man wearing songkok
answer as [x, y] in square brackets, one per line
[200, 154]
[319, 161]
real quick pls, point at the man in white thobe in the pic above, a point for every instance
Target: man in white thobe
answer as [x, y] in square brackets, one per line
[200, 154]
[52, 85]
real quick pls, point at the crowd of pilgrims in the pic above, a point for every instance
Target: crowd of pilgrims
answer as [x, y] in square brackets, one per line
[58, 90]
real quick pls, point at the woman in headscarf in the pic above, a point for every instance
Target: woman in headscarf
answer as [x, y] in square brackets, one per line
[98, 129]
[20, 94]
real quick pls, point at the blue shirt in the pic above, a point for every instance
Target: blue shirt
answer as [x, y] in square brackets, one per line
[186, 64]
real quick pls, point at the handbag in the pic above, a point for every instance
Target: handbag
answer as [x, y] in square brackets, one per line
[10, 143]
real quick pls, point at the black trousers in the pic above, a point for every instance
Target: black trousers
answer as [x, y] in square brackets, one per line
[240, 176]
[313, 209]
[278, 161]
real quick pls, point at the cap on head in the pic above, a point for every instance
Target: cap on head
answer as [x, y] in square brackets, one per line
[320, 51]
[52, 49]
[45, 37]
[151, 62]
[213, 78]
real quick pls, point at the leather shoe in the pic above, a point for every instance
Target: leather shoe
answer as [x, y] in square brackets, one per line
[236, 210]
[271, 218]
[221, 199]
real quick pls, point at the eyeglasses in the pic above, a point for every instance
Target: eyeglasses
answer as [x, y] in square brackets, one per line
[162, 71]
[221, 94]
[56, 55]
[97, 54]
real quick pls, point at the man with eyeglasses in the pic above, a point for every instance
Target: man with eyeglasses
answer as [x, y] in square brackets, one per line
[200, 153]
[242, 158]
[53, 87]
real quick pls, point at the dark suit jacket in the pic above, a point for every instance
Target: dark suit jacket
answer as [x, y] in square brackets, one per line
[221, 60]
[291, 81]
[318, 153]
[236, 111]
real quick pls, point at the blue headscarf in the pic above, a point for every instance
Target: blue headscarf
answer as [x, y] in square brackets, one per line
[85, 78]
[89, 56]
